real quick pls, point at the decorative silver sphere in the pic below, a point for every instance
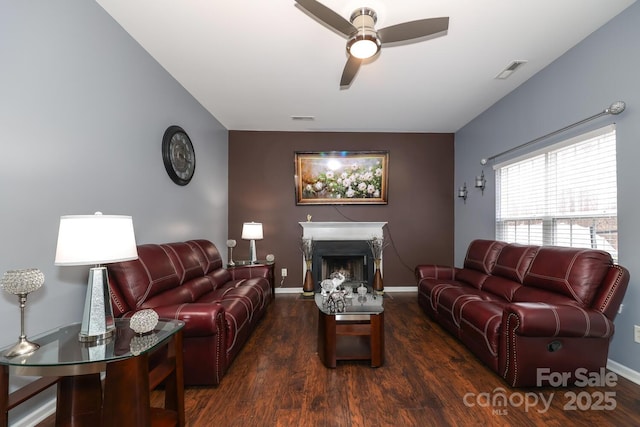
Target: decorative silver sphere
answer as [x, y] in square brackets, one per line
[143, 321]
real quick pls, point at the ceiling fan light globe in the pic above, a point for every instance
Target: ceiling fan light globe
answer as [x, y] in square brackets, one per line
[363, 46]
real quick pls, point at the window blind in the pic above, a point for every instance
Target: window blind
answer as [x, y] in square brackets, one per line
[563, 195]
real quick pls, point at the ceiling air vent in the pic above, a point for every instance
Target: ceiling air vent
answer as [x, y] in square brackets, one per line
[510, 69]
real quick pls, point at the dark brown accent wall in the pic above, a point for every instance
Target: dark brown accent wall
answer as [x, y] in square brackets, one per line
[420, 212]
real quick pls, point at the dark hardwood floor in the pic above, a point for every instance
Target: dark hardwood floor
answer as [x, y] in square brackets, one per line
[428, 379]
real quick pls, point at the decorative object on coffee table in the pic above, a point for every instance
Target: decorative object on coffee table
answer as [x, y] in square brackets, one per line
[377, 245]
[144, 321]
[306, 246]
[21, 283]
[231, 243]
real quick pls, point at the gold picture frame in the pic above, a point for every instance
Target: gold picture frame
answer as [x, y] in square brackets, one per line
[341, 177]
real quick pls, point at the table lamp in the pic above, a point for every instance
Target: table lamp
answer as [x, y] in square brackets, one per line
[95, 240]
[252, 231]
[21, 283]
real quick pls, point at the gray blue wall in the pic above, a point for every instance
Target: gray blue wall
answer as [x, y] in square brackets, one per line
[604, 68]
[82, 111]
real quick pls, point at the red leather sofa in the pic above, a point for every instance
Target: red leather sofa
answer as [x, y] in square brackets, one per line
[187, 281]
[520, 308]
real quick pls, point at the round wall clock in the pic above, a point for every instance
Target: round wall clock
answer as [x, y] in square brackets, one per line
[178, 155]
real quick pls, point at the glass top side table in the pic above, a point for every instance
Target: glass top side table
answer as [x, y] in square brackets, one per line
[61, 353]
[75, 366]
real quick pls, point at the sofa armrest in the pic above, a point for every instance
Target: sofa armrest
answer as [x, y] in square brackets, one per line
[432, 271]
[249, 271]
[550, 320]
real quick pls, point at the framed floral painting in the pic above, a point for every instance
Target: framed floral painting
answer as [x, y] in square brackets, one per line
[341, 177]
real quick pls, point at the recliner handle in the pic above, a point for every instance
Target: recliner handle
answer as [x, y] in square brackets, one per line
[554, 346]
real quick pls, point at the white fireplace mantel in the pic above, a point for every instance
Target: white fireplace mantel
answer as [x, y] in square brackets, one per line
[341, 230]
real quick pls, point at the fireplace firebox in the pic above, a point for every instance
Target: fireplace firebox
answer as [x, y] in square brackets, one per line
[352, 258]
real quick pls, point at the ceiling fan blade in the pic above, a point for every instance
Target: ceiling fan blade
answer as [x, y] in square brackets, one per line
[350, 69]
[328, 16]
[413, 29]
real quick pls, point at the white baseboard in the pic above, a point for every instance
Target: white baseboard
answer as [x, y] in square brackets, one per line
[623, 371]
[289, 290]
[37, 415]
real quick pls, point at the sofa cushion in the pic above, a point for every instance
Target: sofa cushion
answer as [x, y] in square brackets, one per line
[151, 274]
[471, 277]
[186, 262]
[575, 273]
[514, 261]
[501, 287]
[482, 255]
[207, 253]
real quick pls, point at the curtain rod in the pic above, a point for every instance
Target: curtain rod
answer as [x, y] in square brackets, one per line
[615, 108]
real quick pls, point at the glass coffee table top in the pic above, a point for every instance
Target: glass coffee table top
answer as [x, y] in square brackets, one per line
[357, 304]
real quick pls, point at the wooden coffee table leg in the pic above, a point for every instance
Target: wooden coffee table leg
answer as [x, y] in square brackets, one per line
[327, 339]
[377, 339]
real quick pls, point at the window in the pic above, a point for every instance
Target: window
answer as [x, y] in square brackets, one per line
[564, 195]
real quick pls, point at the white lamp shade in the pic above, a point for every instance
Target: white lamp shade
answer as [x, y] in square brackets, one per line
[95, 239]
[252, 231]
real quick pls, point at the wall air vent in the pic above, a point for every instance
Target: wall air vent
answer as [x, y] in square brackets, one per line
[303, 118]
[510, 69]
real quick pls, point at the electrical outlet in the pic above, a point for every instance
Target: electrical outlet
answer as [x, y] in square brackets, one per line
[636, 333]
[284, 272]
[620, 308]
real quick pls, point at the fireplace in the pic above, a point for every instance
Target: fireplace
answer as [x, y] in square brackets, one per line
[342, 246]
[352, 258]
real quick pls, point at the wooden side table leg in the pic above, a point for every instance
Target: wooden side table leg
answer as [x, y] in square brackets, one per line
[79, 400]
[126, 393]
[4, 396]
[174, 384]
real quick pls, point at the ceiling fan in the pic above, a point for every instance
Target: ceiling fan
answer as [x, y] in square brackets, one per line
[363, 40]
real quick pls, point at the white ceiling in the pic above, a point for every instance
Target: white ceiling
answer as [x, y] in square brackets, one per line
[255, 63]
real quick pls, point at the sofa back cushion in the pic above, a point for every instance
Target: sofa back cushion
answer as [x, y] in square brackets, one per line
[573, 272]
[149, 275]
[482, 255]
[185, 260]
[207, 254]
[514, 261]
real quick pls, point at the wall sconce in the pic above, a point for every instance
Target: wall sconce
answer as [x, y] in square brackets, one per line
[462, 192]
[480, 182]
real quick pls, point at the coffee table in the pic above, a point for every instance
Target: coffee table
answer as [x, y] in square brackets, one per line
[357, 333]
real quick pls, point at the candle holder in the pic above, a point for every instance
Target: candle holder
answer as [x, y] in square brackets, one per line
[21, 283]
[481, 182]
[231, 243]
[462, 193]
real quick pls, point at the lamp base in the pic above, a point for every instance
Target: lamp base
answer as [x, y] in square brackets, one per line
[21, 348]
[97, 320]
[252, 250]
